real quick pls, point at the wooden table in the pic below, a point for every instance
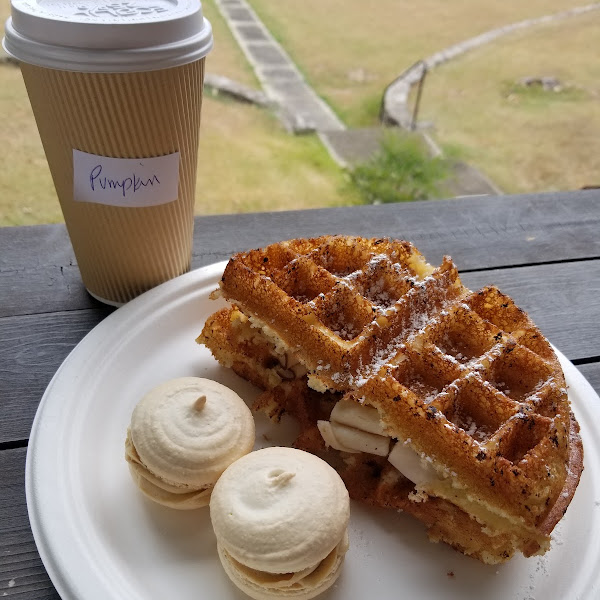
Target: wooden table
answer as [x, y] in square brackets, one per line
[543, 250]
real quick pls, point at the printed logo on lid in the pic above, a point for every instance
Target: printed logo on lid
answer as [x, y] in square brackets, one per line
[122, 9]
[78, 35]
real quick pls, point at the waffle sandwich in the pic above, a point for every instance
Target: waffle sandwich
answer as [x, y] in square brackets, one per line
[427, 397]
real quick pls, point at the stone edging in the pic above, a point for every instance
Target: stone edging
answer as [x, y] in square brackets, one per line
[395, 97]
[219, 84]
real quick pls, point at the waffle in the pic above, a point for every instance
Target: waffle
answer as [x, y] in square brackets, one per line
[339, 304]
[464, 385]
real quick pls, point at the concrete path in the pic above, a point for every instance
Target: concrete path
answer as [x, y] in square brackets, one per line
[353, 146]
[302, 111]
[298, 106]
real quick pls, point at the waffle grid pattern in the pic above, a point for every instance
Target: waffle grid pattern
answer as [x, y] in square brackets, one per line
[343, 301]
[487, 407]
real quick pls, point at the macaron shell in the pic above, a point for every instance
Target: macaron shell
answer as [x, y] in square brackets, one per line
[165, 493]
[262, 587]
[178, 500]
[183, 443]
[279, 510]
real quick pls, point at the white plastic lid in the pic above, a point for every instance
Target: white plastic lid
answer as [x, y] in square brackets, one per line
[104, 37]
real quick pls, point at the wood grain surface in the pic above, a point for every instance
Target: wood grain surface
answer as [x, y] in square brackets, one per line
[22, 574]
[38, 271]
[542, 250]
[32, 347]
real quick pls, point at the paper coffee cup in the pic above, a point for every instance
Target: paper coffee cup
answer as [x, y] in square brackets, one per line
[116, 90]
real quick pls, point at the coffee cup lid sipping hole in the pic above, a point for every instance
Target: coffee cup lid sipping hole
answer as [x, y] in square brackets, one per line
[106, 37]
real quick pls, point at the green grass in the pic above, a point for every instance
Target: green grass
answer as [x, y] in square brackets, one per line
[401, 171]
[536, 97]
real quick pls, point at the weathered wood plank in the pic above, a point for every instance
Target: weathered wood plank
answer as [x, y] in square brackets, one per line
[38, 272]
[43, 289]
[479, 233]
[34, 246]
[31, 350]
[22, 573]
[46, 245]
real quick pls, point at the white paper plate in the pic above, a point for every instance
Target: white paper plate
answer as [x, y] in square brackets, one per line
[100, 538]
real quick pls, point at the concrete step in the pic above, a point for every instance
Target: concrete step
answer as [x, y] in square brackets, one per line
[351, 147]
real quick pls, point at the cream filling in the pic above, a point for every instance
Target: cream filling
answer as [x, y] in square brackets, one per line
[291, 365]
[308, 578]
[330, 439]
[428, 479]
[355, 428]
[253, 330]
[411, 465]
[351, 430]
[176, 495]
[280, 347]
[349, 439]
[315, 381]
[492, 518]
[353, 414]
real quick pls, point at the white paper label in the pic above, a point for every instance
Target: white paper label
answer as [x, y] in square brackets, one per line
[130, 182]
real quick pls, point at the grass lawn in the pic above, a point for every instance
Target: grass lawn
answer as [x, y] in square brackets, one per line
[524, 144]
[525, 140]
[247, 162]
[350, 50]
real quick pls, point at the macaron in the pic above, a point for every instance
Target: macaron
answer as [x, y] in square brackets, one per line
[280, 516]
[183, 434]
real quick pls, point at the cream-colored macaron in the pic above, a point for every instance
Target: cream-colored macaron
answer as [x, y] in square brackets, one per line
[280, 516]
[183, 435]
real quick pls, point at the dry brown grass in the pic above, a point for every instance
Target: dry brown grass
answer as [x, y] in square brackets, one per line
[26, 189]
[525, 142]
[350, 53]
[351, 50]
[248, 163]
